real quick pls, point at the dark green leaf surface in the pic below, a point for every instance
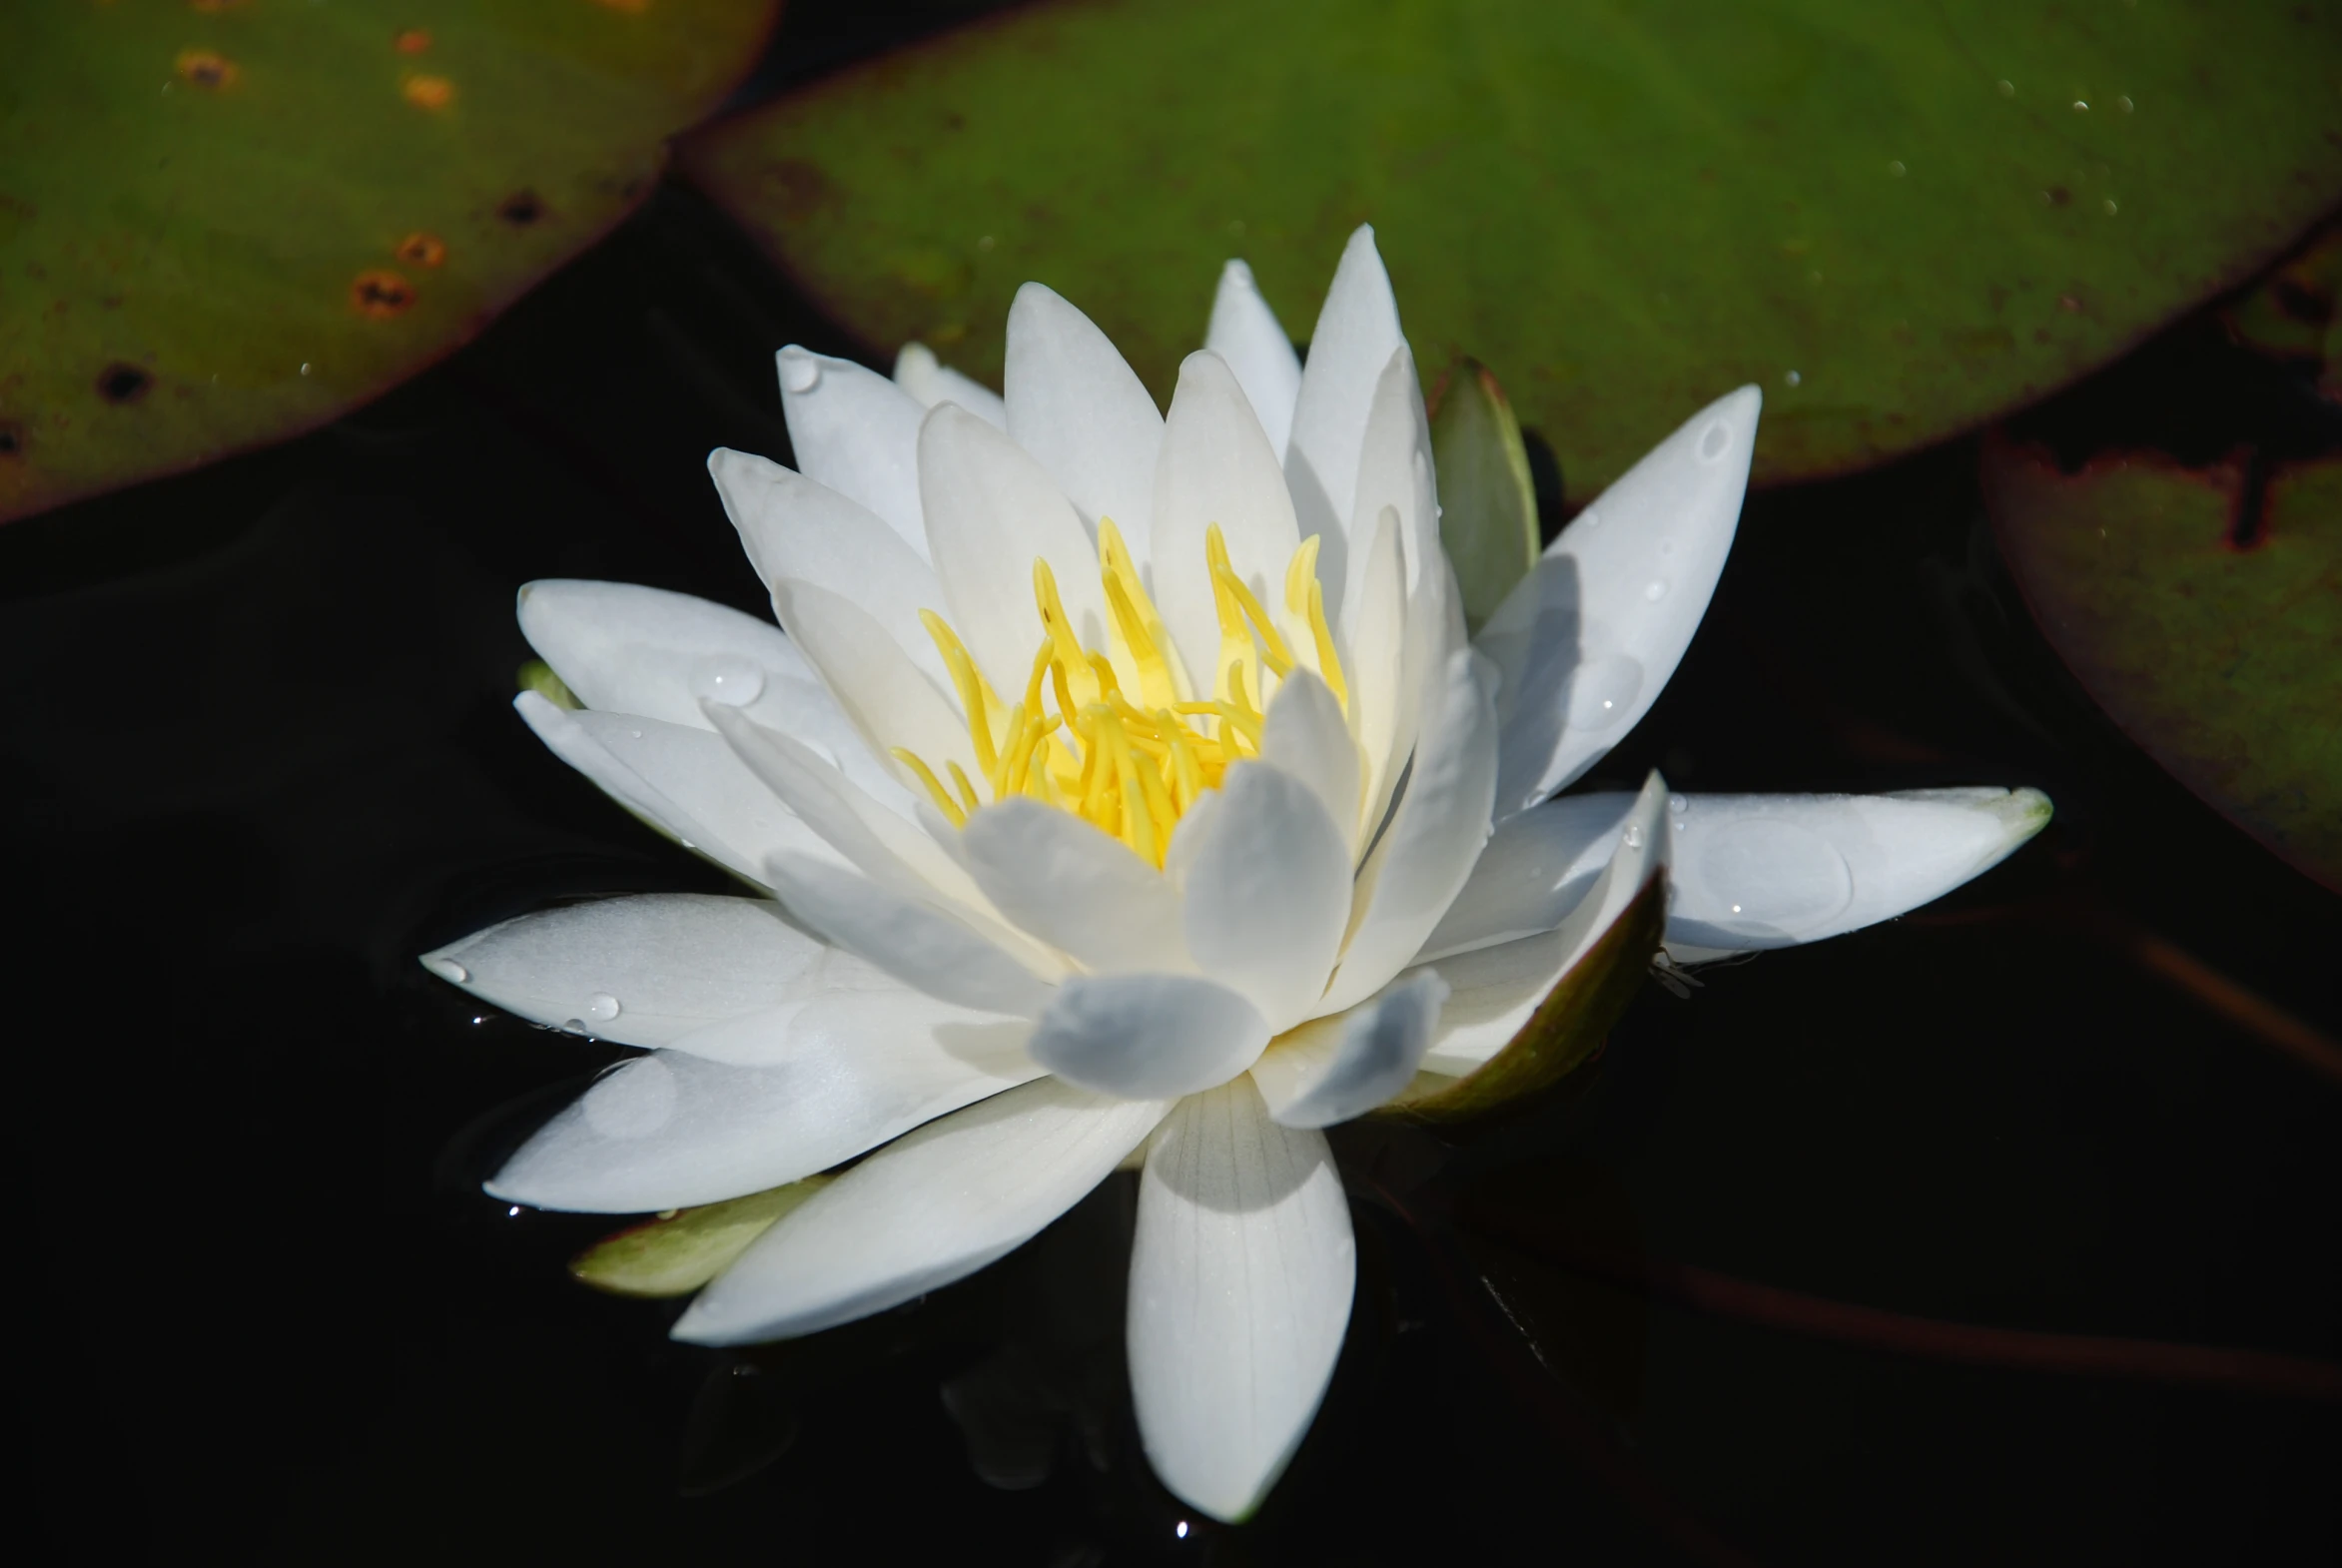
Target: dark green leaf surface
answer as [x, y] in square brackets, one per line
[1900, 219]
[225, 222]
[2224, 663]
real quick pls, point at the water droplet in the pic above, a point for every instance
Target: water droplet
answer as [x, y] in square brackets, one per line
[601, 1006]
[575, 1026]
[1791, 879]
[1735, 908]
[2079, 107]
[637, 734]
[687, 844]
[1894, 168]
[2006, 89]
[2125, 104]
[447, 969]
[985, 242]
[1793, 378]
[1654, 590]
[1715, 441]
[800, 372]
[1590, 519]
[1678, 804]
[1634, 835]
[305, 367]
[634, 1102]
[514, 1213]
[728, 679]
[2107, 207]
[1600, 692]
[1182, 1531]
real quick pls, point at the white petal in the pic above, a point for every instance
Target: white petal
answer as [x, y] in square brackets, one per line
[889, 849]
[675, 780]
[1305, 735]
[1433, 839]
[1240, 1285]
[1062, 880]
[643, 970]
[632, 649]
[1148, 1037]
[919, 373]
[1767, 871]
[1268, 893]
[1380, 689]
[932, 949]
[991, 512]
[1394, 470]
[935, 1206]
[857, 432]
[1217, 467]
[1537, 867]
[1332, 1068]
[842, 1075]
[1078, 407]
[1589, 637]
[1244, 331]
[795, 528]
[1492, 991]
[1357, 331]
[889, 700]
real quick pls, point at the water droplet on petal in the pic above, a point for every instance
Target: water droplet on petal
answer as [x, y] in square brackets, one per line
[1634, 835]
[575, 1026]
[1714, 441]
[1600, 692]
[447, 969]
[1678, 804]
[601, 1006]
[1790, 877]
[800, 372]
[1654, 590]
[727, 679]
[1590, 519]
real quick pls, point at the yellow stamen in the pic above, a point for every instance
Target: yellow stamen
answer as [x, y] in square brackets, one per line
[975, 695]
[943, 798]
[1304, 595]
[967, 795]
[1136, 620]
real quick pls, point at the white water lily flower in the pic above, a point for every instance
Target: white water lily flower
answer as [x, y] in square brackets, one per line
[1126, 784]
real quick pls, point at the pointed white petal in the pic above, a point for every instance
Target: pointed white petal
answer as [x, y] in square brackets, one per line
[1062, 880]
[1394, 470]
[632, 649]
[889, 849]
[795, 528]
[643, 970]
[1240, 1283]
[1079, 409]
[1217, 467]
[935, 1206]
[889, 700]
[1537, 867]
[919, 373]
[1244, 331]
[857, 432]
[1268, 893]
[1305, 735]
[1492, 991]
[842, 1074]
[1357, 331]
[1434, 837]
[1378, 668]
[1767, 871]
[1343, 1066]
[937, 951]
[1589, 637]
[991, 512]
[1148, 1037]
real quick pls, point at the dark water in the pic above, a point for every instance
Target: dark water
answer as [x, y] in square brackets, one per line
[259, 752]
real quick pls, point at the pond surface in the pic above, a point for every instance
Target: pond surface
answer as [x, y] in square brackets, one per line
[260, 753]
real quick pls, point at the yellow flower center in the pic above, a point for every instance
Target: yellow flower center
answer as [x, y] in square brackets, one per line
[1128, 753]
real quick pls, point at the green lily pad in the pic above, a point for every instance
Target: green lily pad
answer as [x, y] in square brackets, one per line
[1900, 219]
[2223, 664]
[1487, 501]
[225, 221]
[676, 1253]
[1568, 1027]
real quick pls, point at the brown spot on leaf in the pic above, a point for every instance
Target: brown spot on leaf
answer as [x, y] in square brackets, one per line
[521, 209]
[2057, 196]
[11, 438]
[423, 248]
[2069, 305]
[381, 293]
[412, 40]
[428, 92]
[207, 68]
[122, 383]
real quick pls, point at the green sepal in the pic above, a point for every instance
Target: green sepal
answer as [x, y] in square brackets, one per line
[676, 1253]
[1568, 1027]
[1487, 501]
[537, 676]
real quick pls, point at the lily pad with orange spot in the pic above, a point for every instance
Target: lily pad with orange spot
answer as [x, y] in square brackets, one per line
[222, 224]
[2222, 660]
